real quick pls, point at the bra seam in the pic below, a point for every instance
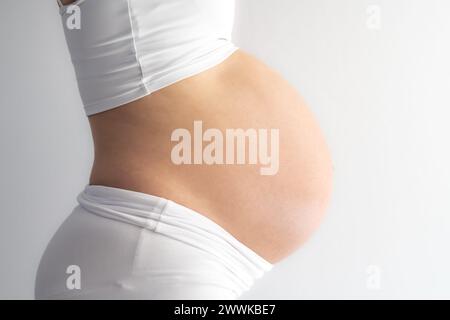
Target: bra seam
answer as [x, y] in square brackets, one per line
[136, 53]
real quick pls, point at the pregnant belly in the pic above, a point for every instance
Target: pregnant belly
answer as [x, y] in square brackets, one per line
[235, 143]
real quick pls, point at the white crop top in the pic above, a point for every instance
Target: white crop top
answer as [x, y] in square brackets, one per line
[126, 49]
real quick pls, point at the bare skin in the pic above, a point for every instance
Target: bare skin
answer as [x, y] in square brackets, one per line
[273, 215]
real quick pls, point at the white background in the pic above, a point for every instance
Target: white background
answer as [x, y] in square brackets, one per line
[381, 94]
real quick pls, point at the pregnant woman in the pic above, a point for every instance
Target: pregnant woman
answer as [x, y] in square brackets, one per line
[209, 168]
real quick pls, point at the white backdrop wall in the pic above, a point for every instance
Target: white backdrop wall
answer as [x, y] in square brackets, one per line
[376, 74]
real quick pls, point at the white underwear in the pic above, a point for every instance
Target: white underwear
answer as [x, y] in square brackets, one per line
[121, 244]
[126, 49]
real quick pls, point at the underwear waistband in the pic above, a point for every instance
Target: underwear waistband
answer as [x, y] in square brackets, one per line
[179, 222]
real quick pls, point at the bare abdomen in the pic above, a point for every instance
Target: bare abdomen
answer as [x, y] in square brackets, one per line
[270, 200]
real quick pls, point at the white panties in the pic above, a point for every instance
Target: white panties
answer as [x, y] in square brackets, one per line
[121, 244]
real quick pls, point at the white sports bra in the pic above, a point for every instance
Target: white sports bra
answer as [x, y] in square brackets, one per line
[126, 49]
